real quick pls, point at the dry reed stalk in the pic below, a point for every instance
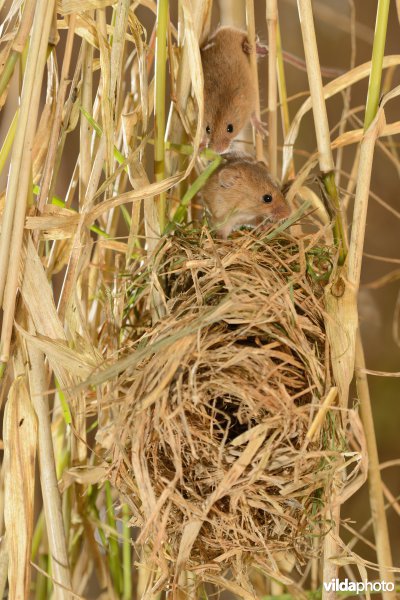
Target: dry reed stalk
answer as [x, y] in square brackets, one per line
[346, 98]
[326, 164]
[377, 502]
[232, 14]
[3, 565]
[315, 83]
[86, 134]
[17, 189]
[359, 220]
[354, 272]
[282, 83]
[48, 477]
[251, 31]
[159, 105]
[18, 44]
[272, 22]
[272, 26]
[321, 125]
[155, 211]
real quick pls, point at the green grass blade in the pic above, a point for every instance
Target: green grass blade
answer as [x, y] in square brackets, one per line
[194, 188]
[378, 51]
[8, 142]
[113, 546]
[126, 554]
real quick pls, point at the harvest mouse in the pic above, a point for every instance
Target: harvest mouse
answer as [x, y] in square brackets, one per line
[242, 192]
[229, 87]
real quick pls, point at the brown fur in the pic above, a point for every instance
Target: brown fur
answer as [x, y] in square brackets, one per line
[234, 195]
[229, 86]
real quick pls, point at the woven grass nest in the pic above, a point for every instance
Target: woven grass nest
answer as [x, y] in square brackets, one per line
[210, 448]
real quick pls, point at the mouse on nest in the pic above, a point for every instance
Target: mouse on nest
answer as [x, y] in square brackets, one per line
[242, 192]
[229, 87]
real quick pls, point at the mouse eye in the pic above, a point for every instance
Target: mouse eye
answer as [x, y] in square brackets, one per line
[208, 129]
[267, 198]
[229, 128]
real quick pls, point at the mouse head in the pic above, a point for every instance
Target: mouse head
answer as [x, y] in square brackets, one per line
[222, 126]
[251, 188]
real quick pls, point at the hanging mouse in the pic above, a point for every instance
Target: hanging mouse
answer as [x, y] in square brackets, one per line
[242, 192]
[229, 87]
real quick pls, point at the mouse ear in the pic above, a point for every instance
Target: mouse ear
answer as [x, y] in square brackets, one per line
[228, 177]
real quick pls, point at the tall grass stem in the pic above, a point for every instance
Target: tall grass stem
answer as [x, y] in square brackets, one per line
[378, 51]
[251, 32]
[159, 104]
[321, 124]
[272, 22]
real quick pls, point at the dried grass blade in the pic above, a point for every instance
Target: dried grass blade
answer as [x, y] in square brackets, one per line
[329, 90]
[195, 16]
[56, 124]
[130, 361]
[65, 7]
[191, 530]
[68, 360]
[20, 440]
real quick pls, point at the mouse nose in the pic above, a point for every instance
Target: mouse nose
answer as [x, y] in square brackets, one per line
[220, 147]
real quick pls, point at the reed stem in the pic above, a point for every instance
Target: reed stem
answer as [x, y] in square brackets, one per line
[126, 554]
[378, 51]
[282, 83]
[367, 148]
[159, 105]
[251, 32]
[18, 44]
[321, 124]
[376, 495]
[232, 14]
[48, 478]
[17, 189]
[272, 18]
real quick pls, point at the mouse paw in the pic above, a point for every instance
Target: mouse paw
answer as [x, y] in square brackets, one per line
[261, 49]
[259, 125]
